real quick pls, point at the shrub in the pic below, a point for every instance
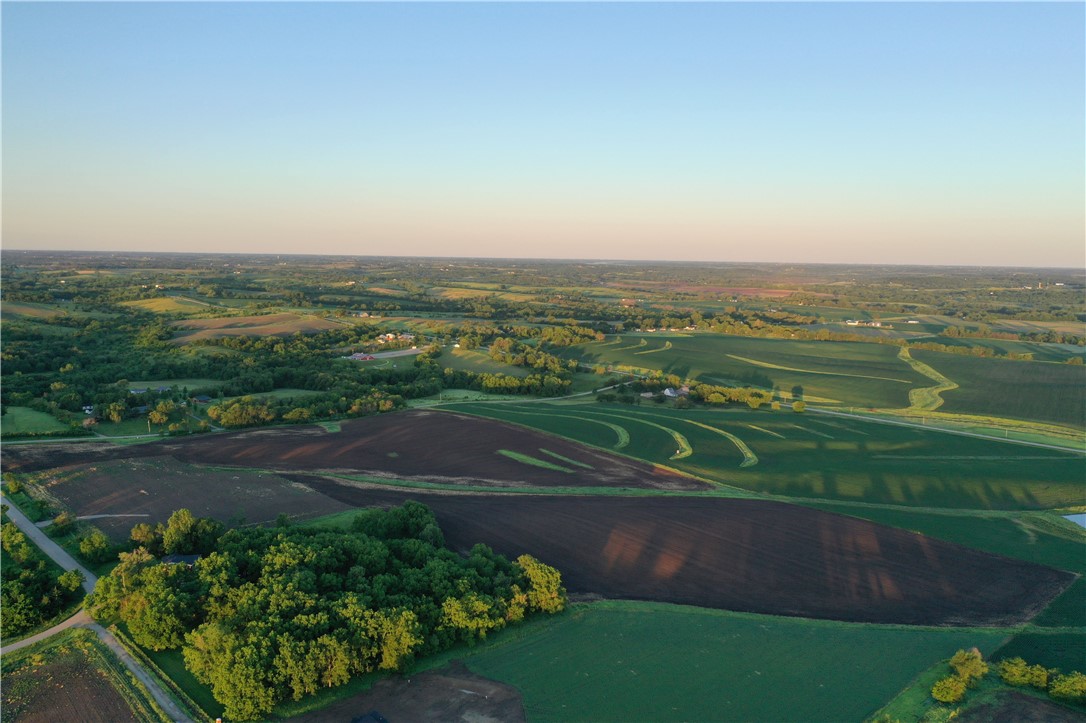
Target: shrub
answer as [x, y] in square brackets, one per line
[950, 689]
[1071, 687]
[970, 666]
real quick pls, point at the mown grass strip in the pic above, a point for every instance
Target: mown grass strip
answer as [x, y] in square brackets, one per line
[535, 462]
[768, 365]
[565, 459]
[620, 431]
[638, 345]
[665, 347]
[926, 399]
[779, 436]
[749, 458]
[684, 450]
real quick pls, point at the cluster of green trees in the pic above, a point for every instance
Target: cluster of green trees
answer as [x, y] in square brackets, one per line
[32, 592]
[268, 613]
[969, 668]
[512, 352]
[1069, 687]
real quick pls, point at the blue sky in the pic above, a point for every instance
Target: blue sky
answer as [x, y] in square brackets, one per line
[941, 133]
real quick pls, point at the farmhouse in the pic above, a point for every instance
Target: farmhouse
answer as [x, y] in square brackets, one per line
[361, 356]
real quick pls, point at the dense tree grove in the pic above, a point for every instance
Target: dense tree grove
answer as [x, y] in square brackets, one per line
[268, 613]
[32, 594]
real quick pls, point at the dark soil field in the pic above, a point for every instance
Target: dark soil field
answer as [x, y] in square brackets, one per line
[746, 555]
[430, 446]
[150, 489]
[452, 693]
[268, 325]
[69, 687]
[1015, 707]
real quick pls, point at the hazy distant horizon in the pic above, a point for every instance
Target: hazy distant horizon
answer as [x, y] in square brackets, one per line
[582, 260]
[944, 134]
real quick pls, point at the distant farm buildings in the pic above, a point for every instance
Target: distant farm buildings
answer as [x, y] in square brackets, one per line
[860, 322]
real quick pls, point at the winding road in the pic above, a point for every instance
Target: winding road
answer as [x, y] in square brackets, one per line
[82, 619]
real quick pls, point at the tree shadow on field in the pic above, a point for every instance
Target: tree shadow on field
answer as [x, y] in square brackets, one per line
[797, 392]
[680, 370]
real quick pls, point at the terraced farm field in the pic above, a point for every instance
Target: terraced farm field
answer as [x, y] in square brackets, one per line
[815, 456]
[832, 373]
[1035, 391]
[270, 325]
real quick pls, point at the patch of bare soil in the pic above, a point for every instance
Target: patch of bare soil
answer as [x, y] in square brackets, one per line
[452, 693]
[69, 687]
[1015, 707]
[150, 489]
[747, 555]
[417, 444]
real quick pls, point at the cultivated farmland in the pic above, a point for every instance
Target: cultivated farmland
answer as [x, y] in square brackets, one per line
[736, 554]
[72, 677]
[269, 325]
[1037, 391]
[815, 456]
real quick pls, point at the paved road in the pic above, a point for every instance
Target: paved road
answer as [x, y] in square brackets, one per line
[82, 618]
[50, 548]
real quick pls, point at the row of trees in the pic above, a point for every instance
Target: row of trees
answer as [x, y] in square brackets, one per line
[969, 668]
[269, 613]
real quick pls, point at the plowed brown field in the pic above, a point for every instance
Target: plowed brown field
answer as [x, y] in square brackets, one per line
[431, 446]
[748, 555]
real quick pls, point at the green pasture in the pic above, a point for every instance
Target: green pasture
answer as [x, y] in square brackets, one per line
[845, 373]
[1037, 391]
[807, 456]
[170, 305]
[1066, 651]
[479, 362]
[24, 420]
[622, 661]
[27, 308]
[1041, 351]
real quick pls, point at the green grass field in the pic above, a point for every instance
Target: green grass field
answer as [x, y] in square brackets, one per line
[845, 373]
[623, 661]
[28, 309]
[23, 420]
[1040, 351]
[1038, 391]
[1066, 651]
[477, 361]
[808, 456]
[171, 305]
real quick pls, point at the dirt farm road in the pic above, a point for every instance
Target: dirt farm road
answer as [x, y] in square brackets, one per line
[83, 619]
